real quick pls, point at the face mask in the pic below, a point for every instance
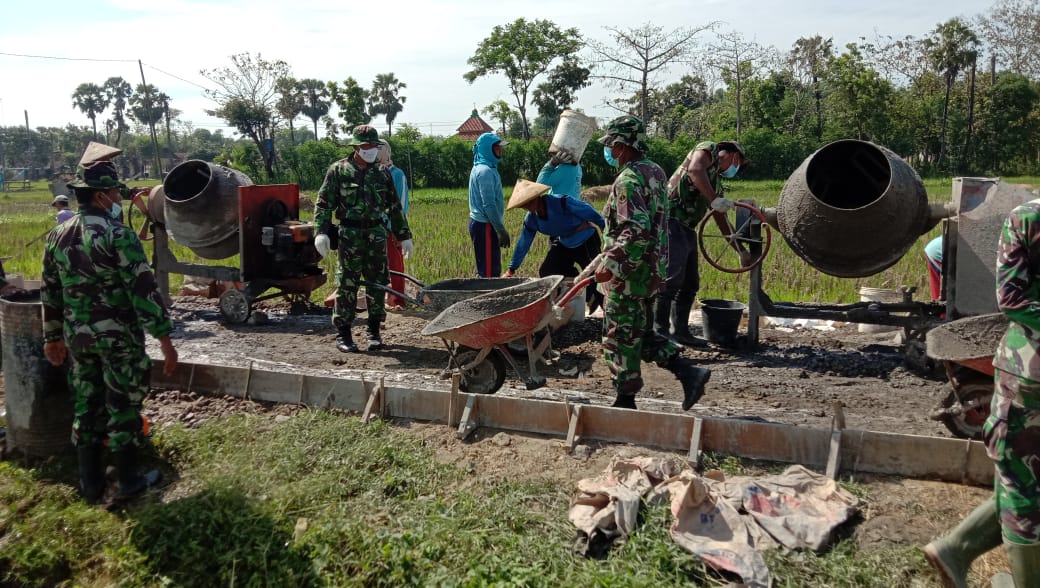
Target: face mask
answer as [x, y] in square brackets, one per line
[609, 156]
[730, 171]
[369, 155]
[116, 211]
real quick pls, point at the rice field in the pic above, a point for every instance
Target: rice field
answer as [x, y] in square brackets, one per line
[439, 219]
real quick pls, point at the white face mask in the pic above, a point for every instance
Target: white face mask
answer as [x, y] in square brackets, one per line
[369, 155]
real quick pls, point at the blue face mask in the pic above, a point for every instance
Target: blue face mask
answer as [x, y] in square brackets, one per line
[730, 171]
[609, 156]
[116, 211]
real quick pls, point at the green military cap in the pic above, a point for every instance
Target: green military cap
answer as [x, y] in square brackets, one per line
[365, 134]
[733, 146]
[99, 175]
[627, 130]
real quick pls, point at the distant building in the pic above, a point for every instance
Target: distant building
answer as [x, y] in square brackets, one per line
[473, 127]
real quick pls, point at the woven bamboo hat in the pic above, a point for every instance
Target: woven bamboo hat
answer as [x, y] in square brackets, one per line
[524, 192]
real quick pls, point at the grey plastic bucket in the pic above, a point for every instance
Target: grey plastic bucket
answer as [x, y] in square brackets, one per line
[36, 394]
[721, 319]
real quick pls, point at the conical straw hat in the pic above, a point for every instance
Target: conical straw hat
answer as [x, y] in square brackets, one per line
[524, 192]
[98, 152]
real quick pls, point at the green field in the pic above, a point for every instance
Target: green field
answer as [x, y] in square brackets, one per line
[442, 248]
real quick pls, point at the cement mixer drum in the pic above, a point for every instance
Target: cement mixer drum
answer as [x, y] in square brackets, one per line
[853, 209]
[201, 207]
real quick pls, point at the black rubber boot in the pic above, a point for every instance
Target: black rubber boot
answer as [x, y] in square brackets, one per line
[662, 315]
[691, 377]
[91, 473]
[625, 401]
[681, 322]
[375, 342]
[132, 483]
[345, 341]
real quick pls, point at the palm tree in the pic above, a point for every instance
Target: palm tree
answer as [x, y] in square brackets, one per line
[316, 101]
[290, 102]
[951, 48]
[385, 98]
[118, 91]
[90, 99]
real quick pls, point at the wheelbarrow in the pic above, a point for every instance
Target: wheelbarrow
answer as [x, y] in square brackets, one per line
[966, 347]
[476, 331]
[433, 298]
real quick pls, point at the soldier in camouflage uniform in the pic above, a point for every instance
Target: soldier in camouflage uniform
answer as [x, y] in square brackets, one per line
[99, 297]
[634, 266]
[360, 194]
[1012, 432]
[692, 189]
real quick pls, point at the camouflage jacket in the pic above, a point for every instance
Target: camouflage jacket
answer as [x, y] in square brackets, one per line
[1018, 291]
[688, 204]
[360, 197]
[98, 291]
[635, 242]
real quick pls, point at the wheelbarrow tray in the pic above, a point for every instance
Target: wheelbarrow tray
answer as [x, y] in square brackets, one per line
[440, 295]
[970, 341]
[498, 317]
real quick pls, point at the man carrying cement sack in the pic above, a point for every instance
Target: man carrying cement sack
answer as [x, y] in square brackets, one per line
[570, 224]
[1012, 431]
[694, 188]
[633, 270]
[562, 174]
[360, 194]
[99, 297]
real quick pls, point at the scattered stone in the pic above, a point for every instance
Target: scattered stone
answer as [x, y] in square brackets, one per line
[582, 452]
[502, 440]
[281, 418]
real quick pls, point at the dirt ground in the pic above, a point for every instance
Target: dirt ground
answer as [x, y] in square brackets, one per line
[793, 377]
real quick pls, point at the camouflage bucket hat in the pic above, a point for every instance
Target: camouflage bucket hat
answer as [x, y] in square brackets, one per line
[99, 175]
[627, 130]
[365, 134]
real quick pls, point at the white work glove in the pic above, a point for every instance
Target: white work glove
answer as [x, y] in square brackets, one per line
[321, 244]
[407, 248]
[721, 204]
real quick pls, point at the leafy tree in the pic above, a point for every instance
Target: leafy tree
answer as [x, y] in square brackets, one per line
[315, 100]
[559, 91]
[738, 61]
[501, 111]
[246, 97]
[638, 55]
[350, 101]
[290, 102]
[809, 57]
[91, 100]
[168, 115]
[385, 98]
[522, 51]
[118, 92]
[1009, 128]
[952, 47]
[858, 96]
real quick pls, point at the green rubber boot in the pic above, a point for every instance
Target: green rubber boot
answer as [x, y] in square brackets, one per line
[952, 555]
[1025, 563]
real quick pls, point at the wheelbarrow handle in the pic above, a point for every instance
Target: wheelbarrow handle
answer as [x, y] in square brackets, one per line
[590, 269]
[575, 289]
[390, 290]
[409, 278]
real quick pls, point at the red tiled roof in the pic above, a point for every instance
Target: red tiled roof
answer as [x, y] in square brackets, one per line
[473, 127]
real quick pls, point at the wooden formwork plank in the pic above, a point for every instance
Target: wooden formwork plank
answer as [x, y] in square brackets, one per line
[861, 451]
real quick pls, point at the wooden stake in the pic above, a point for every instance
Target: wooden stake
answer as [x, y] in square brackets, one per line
[694, 455]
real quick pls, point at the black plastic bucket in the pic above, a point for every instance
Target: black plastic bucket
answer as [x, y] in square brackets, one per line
[720, 319]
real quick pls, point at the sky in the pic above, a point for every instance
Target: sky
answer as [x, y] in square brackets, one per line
[424, 43]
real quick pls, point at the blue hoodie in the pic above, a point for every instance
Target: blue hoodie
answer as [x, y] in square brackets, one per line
[486, 200]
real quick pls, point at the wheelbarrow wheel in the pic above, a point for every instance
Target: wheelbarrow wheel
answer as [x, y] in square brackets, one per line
[975, 391]
[484, 378]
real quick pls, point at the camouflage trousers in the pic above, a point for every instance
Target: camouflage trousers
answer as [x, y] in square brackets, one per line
[629, 339]
[362, 255]
[1012, 435]
[109, 387]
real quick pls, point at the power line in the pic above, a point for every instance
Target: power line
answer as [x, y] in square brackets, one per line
[176, 77]
[68, 58]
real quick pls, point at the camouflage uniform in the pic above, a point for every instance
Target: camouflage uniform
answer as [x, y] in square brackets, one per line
[99, 296]
[635, 249]
[360, 199]
[1012, 431]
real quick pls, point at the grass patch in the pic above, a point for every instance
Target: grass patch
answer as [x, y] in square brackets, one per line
[323, 500]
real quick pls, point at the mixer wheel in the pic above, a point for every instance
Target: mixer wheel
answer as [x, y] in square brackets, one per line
[234, 306]
[717, 248]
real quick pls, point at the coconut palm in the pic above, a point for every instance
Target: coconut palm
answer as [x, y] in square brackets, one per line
[316, 101]
[91, 100]
[385, 98]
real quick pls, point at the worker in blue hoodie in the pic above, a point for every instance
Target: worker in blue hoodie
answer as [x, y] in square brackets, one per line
[487, 227]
